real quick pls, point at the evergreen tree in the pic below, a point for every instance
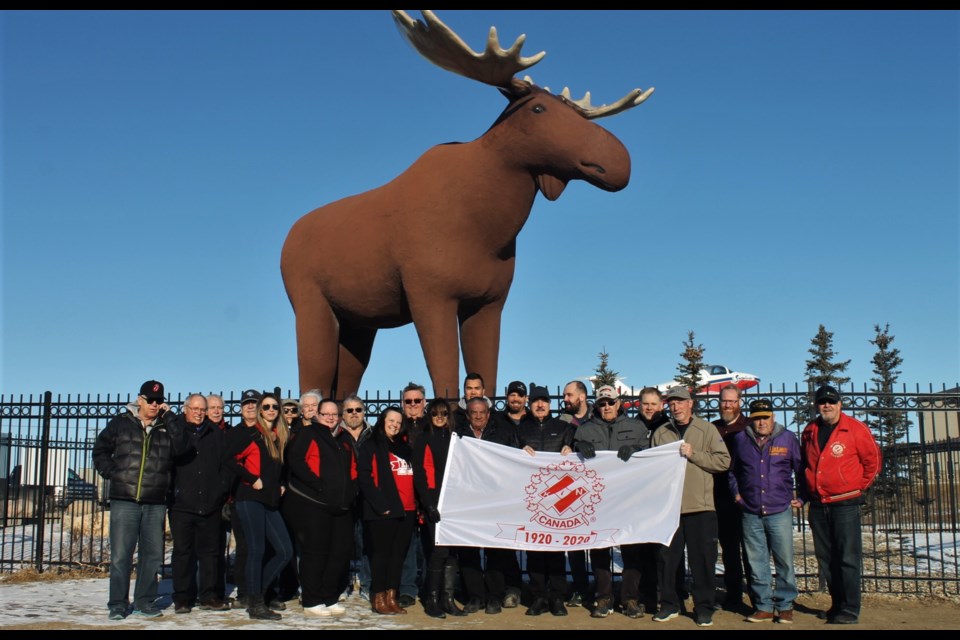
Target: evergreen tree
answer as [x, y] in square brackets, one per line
[821, 370]
[888, 422]
[689, 368]
[604, 375]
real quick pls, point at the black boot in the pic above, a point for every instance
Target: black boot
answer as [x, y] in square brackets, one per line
[447, 603]
[431, 604]
[257, 609]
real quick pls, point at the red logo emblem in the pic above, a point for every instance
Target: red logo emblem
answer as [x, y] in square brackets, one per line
[156, 387]
[837, 449]
[564, 496]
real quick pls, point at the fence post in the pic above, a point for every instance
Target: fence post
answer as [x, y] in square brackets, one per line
[42, 507]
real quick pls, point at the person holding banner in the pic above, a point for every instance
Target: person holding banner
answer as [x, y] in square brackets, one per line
[539, 431]
[385, 476]
[429, 462]
[706, 455]
[611, 430]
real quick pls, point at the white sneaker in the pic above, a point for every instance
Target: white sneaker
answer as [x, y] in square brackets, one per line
[344, 595]
[336, 609]
[319, 611]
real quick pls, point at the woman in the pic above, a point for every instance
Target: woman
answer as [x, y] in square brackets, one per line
[320, 494]
[255, 455]
[389, 506]
[429, 462]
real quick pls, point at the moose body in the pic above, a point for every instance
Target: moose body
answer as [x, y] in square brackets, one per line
[436, 246]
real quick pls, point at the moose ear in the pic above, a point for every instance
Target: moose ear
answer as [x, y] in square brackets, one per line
[550, 186]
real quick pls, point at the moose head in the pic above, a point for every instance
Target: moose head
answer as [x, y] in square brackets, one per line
[439, 240]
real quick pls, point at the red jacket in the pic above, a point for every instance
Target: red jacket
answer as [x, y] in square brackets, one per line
[845, 468]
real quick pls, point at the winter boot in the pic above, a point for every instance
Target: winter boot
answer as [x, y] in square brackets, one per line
[257, 609]
[392, 601]
[447, 603]
[380, 604]
[431, 604]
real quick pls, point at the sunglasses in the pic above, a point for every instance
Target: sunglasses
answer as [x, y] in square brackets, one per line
[439, 414]
[821, 402]
[606, 403]
[289, 409]
[412, 400]
[153, 400]
[269, 407]
[354, 410]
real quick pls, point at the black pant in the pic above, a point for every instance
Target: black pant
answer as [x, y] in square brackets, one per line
[223, 557]
[471, 573]
[502, 572]
[389, 542]
[240, 552]
[548, 574]
[730, 534]
[325, 541]
[195, 544]
[578, 571]
[698, 534]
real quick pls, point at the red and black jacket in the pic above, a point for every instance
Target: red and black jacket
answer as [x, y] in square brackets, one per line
[248, 458]
[322, 469]
[375, 476]
[429, 464]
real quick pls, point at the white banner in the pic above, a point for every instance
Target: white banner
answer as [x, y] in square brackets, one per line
[497, 496]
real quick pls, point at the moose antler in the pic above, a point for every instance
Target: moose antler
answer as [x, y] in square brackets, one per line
[496, 66]
[438, 43]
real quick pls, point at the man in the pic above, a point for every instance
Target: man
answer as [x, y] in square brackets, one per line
[215, 416]
[195, 522]
[697, 533]
[249, 401]
[611, 430]
[473, 387]
[540, 431]
[516, 407]
[841, 460]
[651, 409]
[414, 422]
[729, 530]
[135, 452]
[653, 417]
[577, 411]
[354, 426]
[766, 464]
[501, 582]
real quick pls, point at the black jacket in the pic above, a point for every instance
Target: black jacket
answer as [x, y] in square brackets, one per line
[495, 431]
[375, 477]
[200, 480]
[138, 462]
[322, 468]
[549, 436]
[430, 463]
[247, 458]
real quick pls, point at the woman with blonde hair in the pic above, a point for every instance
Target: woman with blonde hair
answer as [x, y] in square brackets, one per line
[255, 455]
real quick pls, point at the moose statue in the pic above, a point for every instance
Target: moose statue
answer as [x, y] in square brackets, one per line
[439, 241]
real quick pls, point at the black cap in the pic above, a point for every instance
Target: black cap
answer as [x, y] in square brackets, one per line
[538, 393]
[761, 408]
[517, 387]
[250, 395]
[152, 390]
[826, 392]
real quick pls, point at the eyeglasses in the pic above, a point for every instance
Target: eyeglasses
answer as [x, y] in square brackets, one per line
[195, 409]
[152, 400]
[825, 401]
[330, 415]
[412, 400]
[354, 410]
[270, 407]
[439, 414]
[289, 409]
[606, 403]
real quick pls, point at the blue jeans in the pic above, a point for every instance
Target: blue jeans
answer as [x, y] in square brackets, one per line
[140, 526]
[262, 524]
[839, 548]
[361, 561]
[763, 535]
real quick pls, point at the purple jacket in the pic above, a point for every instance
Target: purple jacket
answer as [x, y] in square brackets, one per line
[762, 479]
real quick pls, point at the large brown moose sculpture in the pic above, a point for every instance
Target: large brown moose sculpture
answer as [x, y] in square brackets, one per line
[436, 246]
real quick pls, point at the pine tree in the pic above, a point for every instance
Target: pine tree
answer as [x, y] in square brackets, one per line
[604, 375]
[689, 369]
[888, 422]
[821, 370]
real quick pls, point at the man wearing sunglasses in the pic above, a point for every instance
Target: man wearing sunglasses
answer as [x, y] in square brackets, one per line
[135, 451]
[354, 428]
[413, 424]
[841, 460]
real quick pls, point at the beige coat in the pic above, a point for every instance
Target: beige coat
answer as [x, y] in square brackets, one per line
[709, 456]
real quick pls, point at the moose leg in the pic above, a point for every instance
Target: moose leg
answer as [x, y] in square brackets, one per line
[480, 341]
[356, 344]
[317, 343]
[436, 324]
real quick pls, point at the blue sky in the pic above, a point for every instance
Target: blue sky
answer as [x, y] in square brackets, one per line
[792, 169]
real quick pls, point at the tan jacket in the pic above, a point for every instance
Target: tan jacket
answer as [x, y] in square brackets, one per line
[709, 456]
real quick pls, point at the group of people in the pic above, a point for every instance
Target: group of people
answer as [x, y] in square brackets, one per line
[309, 489]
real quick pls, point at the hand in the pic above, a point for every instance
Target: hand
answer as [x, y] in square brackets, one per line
[686, 449]
[587, 449]
[433, 515]
[258, 485]
[529, 450]
[625, 452]
[566, 450]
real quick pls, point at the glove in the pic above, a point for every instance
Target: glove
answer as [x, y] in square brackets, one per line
[433, 515]
[626, 451]
[587, 449]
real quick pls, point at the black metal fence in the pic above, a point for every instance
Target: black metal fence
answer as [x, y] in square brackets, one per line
[54, 507]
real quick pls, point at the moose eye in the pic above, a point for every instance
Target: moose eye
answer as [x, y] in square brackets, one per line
[538, 108]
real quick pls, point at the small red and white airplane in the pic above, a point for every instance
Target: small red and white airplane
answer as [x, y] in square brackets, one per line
[712, 376]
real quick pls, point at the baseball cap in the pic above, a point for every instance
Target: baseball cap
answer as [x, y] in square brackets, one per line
[250, 395]
[538, 393]
[607, 392]
[826, 392]
[152, 390]
[517, 387]
[677, 392]
[761, 408]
